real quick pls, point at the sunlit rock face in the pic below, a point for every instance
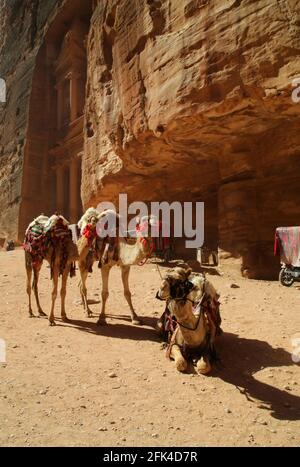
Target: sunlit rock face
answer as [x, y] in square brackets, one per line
[33, 39]
[22, 28]
[191, 100]
[186, 100]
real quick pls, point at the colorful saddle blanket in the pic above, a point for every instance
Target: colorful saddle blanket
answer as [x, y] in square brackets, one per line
[36, 241]
[44, 233]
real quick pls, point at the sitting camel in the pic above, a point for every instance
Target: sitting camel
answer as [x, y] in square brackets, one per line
[194, 304]
[122, 254]
[49, 239]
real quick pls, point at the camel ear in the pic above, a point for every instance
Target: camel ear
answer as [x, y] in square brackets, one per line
[188, 272]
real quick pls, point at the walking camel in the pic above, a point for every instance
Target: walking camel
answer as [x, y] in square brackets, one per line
[49, 239]
[117, 251]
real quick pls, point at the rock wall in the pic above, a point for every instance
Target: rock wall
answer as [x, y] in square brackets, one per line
[191, 100]
[22, 28]
[186, 100]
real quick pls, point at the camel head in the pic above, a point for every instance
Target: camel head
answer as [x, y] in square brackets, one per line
[175, 285]
[90, 217]
[147, 226]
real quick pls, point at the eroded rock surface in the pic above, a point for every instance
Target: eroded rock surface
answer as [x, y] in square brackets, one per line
[22, 29]
[191, 100]
[186, 100]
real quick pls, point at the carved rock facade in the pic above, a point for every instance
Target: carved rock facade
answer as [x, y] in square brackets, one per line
[186, 100]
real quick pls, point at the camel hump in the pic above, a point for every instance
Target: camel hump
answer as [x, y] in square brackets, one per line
[38, 223]
[55, 221]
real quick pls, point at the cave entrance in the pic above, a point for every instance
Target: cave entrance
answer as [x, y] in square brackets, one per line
[54, 148]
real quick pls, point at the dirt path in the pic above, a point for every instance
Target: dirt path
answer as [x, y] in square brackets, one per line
[57, 387]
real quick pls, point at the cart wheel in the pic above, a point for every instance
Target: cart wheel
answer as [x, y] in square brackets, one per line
[286, 277]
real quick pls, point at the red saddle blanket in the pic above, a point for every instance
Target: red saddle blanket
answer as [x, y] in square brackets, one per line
[38, 240]
[36, 243]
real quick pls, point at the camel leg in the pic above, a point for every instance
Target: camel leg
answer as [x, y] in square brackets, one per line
[127, 294]
[203, 366]
[36, 272]
[63, 292]
[180, 361]
[28, 288]
[105, 269]
[54, 294]
[83, 289]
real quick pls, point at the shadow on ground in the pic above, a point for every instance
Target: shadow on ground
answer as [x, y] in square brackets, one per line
[118, 330]
[241, 358]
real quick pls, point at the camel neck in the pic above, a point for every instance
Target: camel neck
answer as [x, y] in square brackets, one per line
[185, 316]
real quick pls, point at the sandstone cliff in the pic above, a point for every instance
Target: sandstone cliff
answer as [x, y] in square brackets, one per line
[191, 100]
[186, 100]
[22, 30]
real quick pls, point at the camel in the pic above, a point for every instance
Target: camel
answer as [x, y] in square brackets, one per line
[49, 239]
[123, 254]
[194, 303]
[89, 247]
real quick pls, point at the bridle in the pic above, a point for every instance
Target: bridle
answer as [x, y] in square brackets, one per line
[179, 293]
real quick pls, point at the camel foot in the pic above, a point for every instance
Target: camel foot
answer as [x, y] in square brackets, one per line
[159, 328]
[202, 367]
[101, 322]
[52, 322]
[30, 315]
[89, 314]
[181, 364]
[136, 321]
[65, 319]
[41, 313]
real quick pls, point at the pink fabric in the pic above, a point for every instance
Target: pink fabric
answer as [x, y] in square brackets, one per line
[287, 243]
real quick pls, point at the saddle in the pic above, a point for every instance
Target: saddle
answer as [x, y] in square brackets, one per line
[60, 236]
[36, 243]
[109, 251]
[44, 233]
[101, 249]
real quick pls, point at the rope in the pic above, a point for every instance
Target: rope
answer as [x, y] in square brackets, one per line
[150, 252]
[159, 271]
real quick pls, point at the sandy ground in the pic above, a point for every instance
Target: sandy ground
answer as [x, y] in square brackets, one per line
[56, 388]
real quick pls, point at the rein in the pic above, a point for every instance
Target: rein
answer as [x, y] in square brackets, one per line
[199, 305]
[186, 288]
[172, 321]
